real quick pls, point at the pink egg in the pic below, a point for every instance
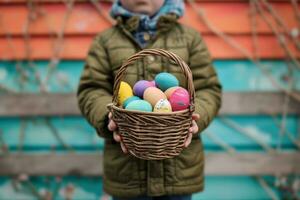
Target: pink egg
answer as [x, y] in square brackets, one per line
[140, 87]
[152, 83]
[180, 99]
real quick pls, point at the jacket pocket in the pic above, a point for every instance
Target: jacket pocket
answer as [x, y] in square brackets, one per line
[189, 163]
[118, 167]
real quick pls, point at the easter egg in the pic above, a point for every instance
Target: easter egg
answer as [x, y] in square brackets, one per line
[153, 95]
[165, 80]
[140, 87]
[125, 92]
[180, 99]
[162, 105]
[130, 99]
[152, 83]
[140, 105]
[170, 91]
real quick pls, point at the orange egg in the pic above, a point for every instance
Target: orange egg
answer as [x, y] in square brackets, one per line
[153, 95]
[169, 91]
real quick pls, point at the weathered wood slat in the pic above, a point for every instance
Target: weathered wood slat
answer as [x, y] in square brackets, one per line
[38, 105]
[245, 103]
[91, 164]
[255, 103]
[252, 164]
[68, 164]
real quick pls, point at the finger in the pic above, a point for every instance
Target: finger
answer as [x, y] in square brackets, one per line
[194, 128]
[195, 116]
[124, 149]
[109, 115]
[188, 140]
[112, 126]
[117, 137]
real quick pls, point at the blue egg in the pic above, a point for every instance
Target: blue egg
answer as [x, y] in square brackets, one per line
[165, 81]
[140, 105]
[130, 99]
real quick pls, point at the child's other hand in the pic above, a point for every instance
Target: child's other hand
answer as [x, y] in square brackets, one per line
[112, 126]
[192, 130]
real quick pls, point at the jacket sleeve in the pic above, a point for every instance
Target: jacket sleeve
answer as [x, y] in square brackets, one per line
[95, 88]
[207, 87]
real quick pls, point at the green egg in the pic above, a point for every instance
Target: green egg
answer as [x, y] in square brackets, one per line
[140, 105]
[165, 81]
[130, 99]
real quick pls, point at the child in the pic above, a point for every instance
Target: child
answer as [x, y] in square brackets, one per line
[148, 24]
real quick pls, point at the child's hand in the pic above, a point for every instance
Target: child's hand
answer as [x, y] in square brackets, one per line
[192, 130]
[112, 126]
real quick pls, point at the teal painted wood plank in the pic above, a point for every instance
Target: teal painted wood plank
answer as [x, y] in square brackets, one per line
[245, 76]
[74, 131]
[77, 133]
[235, 75]
[64, 78]
[217, 188]
[260, 127]
[83, 188]
[232, 188]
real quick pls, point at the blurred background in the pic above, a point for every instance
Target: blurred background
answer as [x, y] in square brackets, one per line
[48, 151]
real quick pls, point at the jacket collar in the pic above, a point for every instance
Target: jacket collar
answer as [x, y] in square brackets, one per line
[164, 23]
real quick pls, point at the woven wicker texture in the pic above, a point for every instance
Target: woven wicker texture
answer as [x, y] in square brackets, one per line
[152, 135]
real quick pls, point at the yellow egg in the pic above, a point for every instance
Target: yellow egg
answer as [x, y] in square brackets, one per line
[153, 95]
[162, 105]
[169, 91]
[125, 92]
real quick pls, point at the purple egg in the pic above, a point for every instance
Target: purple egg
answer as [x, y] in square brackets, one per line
[140, 87]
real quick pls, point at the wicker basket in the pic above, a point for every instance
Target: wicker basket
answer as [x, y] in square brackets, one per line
[151, 135]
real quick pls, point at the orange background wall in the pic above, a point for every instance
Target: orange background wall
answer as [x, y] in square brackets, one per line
[84, 21]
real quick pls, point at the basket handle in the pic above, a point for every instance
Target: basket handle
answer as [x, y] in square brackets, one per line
[157, 52]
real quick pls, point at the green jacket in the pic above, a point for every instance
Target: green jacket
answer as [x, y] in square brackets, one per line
[125, 175]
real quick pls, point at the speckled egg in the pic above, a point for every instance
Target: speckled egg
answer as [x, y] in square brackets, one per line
[165, 81]
[139, 105]
[130, 99]
[162, 105]
[140, 87]
[180, 99]
[170, 91]
[153, 95]
[125, 92]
